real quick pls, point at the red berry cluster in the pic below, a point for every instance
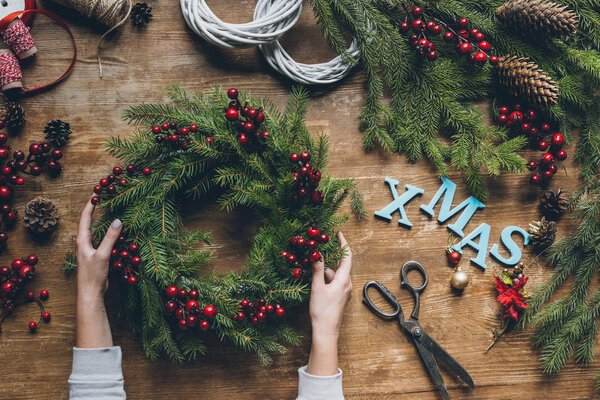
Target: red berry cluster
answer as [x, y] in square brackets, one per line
[540, 137]
[107, 187]
[14, 279]
[184, 306]
[304, 251]
[173, 135]
[306, 179]
[256, 312]
[248, 119]
[469, 42]
[124, 259]
[423, 46]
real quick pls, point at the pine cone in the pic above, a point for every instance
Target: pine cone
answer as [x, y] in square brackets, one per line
[14, 116]
[538, 17]
[41, 215]
[554, 205]
[141, 14]
[542, 233]
[58, 132]
[525, 79]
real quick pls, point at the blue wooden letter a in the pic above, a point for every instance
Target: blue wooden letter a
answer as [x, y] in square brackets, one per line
[399, 202]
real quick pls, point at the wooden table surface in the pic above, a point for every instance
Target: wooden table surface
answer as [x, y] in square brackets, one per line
[378, 360]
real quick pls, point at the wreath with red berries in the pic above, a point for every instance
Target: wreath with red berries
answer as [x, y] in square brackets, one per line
[253, 156]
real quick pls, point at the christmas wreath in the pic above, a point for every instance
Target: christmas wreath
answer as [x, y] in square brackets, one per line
[252, 156]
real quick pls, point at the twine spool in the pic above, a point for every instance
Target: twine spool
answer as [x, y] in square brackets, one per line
[111, 13]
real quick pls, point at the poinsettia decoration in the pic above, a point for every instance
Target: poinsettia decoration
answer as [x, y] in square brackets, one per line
[509, 285]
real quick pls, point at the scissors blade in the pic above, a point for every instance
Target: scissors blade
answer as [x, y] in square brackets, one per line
[432, 368]
[445, 358]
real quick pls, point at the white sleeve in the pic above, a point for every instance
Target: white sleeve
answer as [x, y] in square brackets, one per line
[96, 374]
[311, 387]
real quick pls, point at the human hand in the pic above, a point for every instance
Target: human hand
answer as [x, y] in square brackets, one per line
[330, 292]
[92, 264]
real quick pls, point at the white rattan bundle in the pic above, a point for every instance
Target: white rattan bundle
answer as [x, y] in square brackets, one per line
[272, 18]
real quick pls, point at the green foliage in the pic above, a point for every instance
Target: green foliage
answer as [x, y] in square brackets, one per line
[430, 113]
[259, 180]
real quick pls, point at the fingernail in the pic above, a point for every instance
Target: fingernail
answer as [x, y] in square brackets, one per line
[116, 224]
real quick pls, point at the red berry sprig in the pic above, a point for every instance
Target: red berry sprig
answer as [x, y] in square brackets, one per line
[108, 187]
[258, 311]
[248, 120]
[183, 305]
[423, 46]
[306, 179]
[173, 135]
[124, 259]
[469, 42]
[540, 137]
[304, 251]
[13, 280]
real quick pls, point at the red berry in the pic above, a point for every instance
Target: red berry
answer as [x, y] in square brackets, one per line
[122, 182]
[305, 156]
[208, 140]
[546, 158]
[17, 263]
[473, 32]
[44, 294]
[324, 238]
[545, 127]
[291, 258]
[132, 280]
[204, 325]
[179, 313]
[170, 307]
[436, 30]
[174, 138]
[525, 126]
[232, 93]
[558, 139]
[533, 131]
[46, 316]
[32, 326]
[502, 118]
[432, 55]
[480, 57]
[4, 271]
[284, 254]
[240, 316]
[561, 155]
[210, 311]
[297, 273]
[244, 303]
[124, 254]
[516, 116]
[301, 242]
[479, 37]
[465, 48]
[156, 129]
[165, 126]
[404, 27]
[270, 308]
[494, 60]
[191, 321]
[172, 291]
[192, 305]
[280, 311]
[312, 244]
[7, 287]
[182, 293]
[261, 316]
[95, 200]
[184, 131]
[182, 324]
[531, 115]
[35, 148]
[231, 114]
[248, 126]
[417, 11]
[448, 36]
[314, 256]
[118, 265]
[193, 294]
[547, 174]
[294, 157]
[542, 145]
[26, 271]
[535, 179]
[417, 25]
[503, 110]
[313, 232]
[147, 171]
[463, 22]
[135, 261]
[553, 168]
[532, 165]
[264, 134]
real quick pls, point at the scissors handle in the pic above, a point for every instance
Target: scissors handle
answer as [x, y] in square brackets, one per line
[385, 292]
[415, 290]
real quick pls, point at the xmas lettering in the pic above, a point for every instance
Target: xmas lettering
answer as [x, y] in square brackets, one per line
[465, 212]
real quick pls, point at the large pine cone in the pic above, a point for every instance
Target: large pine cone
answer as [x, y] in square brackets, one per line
[538, 17]
[554, 205]
[58, 132]
[141, 14]
[524, 78]
[542, 234]
[41, 215]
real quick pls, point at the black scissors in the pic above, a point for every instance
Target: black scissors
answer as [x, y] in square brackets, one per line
[428, 349]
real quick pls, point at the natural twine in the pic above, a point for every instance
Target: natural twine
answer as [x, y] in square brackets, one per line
[111, 13]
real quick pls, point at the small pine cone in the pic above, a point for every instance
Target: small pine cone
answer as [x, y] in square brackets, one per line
[525, 79]
[14, 116]
[554, 205]
[41, 215]
[141, 14]
[538, 17]
[58, 132]
[542, 234]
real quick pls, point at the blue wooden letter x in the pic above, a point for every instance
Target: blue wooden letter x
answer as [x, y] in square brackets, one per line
[399, 202]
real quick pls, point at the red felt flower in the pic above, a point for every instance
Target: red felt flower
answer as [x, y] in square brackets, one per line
[510, 297]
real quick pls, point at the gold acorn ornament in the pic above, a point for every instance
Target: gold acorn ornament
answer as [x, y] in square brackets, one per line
[459, 279]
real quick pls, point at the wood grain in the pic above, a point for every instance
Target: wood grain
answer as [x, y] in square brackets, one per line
[377, 359]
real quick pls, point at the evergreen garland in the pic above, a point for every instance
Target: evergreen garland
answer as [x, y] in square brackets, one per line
[431, 113]
[259, 180]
